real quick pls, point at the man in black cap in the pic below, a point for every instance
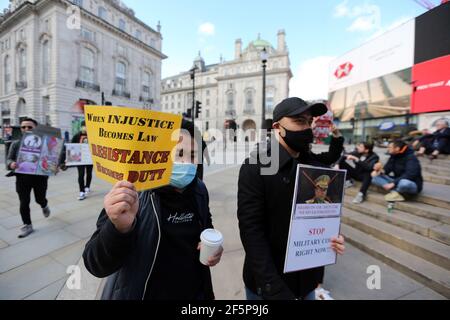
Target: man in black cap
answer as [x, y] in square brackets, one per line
[265, 203]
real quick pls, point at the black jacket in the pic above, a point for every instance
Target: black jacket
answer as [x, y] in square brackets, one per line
[264, 212]
[367, 165]
[405, 166]
[128, 259]
[13, 153]
[442, 138]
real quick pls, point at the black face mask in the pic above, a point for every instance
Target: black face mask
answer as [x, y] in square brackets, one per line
[299, 141]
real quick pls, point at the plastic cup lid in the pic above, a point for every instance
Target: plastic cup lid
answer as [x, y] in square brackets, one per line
[212, 236]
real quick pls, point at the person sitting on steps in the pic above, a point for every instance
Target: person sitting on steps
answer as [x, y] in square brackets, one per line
[401, 175]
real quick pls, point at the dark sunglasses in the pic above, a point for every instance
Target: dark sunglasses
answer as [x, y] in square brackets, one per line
[27, 127]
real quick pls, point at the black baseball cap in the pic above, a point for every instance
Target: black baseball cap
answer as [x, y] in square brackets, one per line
[291, 107]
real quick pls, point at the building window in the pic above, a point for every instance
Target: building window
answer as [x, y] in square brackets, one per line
[121, 77]
[87, 34]
[270, 97]
[122, 25]
[146, 85]
[207, 115]
[87, 72]
[78, 2]
[47, 25]
[207, 92]
[207, 102]
[172, 105]
[138, 34]
[22, 55]
[102, 13]
[230, 101]
[45, 61]
[7, 68]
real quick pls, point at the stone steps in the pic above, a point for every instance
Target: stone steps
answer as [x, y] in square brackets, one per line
[413, 207]
[445, 163]
[433, 251]
[435, 178]
[426, 227]
[414, 267]
[437, 195]
[439, 170]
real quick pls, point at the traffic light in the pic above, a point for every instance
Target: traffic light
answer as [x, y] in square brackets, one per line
[198, 109]
[188, 113]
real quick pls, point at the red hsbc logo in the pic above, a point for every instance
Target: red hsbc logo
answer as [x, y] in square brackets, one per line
[343, 70]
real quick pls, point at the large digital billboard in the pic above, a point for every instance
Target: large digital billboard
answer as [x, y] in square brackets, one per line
[389, 95]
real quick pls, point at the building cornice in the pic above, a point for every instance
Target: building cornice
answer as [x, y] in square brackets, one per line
[255, 74]
[243, 61]
[206, 86]
[133, 17]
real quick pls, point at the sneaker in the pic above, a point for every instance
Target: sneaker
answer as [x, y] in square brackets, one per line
[82, 196]
[394, 196]
[348, 184]
[359, 198]
[322, 294]
[26, 231]
[87, 191]
[46, 211]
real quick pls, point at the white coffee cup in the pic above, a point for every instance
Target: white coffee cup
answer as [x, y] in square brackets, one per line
[211, 240]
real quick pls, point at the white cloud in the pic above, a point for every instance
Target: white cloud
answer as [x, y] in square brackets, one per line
[366, 17]
[310, 82]
[341, 10]
[207, 29]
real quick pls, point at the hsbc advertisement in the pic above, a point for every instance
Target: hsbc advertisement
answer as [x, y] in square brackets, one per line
[392, 52]
[431, 86]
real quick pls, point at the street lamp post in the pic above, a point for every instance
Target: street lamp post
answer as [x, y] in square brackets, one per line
[193, 92]
[264, 58]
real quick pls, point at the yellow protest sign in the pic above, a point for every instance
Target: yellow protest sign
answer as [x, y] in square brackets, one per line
[132, 144]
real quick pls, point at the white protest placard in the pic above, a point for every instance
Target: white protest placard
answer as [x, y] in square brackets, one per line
[315, 218]
[78, 154]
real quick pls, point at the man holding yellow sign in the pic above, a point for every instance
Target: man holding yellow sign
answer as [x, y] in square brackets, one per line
[147, 243]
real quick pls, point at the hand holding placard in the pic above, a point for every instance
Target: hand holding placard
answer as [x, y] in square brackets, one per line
[121, 205]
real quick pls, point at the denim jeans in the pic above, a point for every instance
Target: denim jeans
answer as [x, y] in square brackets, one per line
[404, 186]
[251, 296]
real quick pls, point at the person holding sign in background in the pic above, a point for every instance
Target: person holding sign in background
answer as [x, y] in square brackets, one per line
[25, 183]
[148, 243]
[85, 187]
[265, 203]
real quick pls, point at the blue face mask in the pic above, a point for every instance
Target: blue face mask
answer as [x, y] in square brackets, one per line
[182, 175]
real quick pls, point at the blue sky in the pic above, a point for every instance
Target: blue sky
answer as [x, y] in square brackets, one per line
[316, 30]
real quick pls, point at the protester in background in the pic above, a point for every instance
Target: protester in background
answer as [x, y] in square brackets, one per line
[364, 160]
[84, 185]
[438, 142]
[25, 183]
[148, 243]
[401, 175]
